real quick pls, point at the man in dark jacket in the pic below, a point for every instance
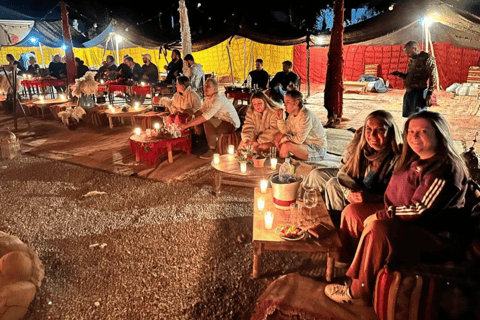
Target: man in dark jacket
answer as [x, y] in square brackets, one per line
[149, 69]
[421, 69]
[258, 77]
[175, 67]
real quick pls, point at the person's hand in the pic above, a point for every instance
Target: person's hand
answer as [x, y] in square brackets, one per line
[429, 100]
[254, 144]
[280, 114]
[356, 197]
[369, 219]
[183, 126]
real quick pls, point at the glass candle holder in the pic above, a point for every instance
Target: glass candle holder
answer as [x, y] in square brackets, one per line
[42, 98]
[156, 126]
[138, 131]
[260, 204]
[263, 186]
[62, 96]
[231, 149]
[273, 163]
[216, 158]
[268, 220]
[243, 166]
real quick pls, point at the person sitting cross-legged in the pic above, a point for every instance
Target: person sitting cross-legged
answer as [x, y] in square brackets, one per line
[260, 126]
[301, 134]
[422, 220]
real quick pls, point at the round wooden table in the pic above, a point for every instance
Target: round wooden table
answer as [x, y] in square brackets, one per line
[117, 113]
[227, 171]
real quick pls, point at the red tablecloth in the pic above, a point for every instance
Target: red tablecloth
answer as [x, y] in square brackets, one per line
[141, 90]
[43, 83]
[150, 149]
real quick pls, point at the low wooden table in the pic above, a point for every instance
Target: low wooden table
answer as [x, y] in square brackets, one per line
[267, 239]
[228, 172]
[148, 149]
[122, 115]
[46, 103]
[361, 87]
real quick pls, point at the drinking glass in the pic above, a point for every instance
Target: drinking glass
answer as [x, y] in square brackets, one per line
[310, 199]
[273, 152]
[295, 213]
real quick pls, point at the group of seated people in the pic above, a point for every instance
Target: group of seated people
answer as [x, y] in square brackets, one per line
[396, 200]
[295, 130]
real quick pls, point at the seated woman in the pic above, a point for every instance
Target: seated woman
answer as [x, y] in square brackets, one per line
[260, 126]
[216, 116]
[422, 219]
[366, 166]
[185, 101]
[301, 134]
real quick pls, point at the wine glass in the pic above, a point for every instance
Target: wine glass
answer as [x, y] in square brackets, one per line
[310, 199]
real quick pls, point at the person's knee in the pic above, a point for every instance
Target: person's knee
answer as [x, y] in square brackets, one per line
[380, 228]
[352, 211]
[284, 151]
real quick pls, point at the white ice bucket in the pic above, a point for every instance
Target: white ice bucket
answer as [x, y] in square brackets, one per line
[284, 194]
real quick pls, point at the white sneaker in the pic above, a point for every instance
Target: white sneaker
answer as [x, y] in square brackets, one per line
[340, 293]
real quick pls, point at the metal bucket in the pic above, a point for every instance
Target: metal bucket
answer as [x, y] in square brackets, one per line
[284, 194]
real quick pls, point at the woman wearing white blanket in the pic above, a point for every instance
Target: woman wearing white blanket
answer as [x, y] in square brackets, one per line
[260, 126]
[301, 134]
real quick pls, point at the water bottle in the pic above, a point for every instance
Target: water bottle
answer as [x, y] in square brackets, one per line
[285, 171]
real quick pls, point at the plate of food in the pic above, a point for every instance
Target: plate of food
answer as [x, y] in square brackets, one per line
[291, 233]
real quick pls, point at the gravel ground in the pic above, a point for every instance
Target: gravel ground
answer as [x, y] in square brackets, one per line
[160, 251]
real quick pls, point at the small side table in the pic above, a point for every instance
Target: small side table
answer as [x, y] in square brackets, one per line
[267, 239]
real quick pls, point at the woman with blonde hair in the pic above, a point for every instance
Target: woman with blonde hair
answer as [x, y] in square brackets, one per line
[260, 125]
[422, 219]
[366, 166]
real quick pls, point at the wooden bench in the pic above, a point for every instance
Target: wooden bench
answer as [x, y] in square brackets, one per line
[360, 87]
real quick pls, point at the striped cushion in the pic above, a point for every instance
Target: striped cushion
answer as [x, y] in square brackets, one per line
[225, 139]
[473, 74]
[371, 69]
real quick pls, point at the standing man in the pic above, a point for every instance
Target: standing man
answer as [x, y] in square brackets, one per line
[175, 67]
[258, 76]
[194, 72]
[419, 80]
[149, 69]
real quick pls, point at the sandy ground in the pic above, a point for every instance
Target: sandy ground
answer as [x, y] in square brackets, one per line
[163, 251]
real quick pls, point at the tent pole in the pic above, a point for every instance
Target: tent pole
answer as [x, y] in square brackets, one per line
[244, 56]
[308, 66]
[436, 67]
[333, 94]
[41, 53]
[230, 60]
[70, 58]
[116, 42]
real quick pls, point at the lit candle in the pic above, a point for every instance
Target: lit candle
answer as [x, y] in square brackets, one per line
[29, 76]
[138, 131]
[143, 84]
[41, 98]
[263, 186]
[231, 149]
[268, 220]
[273, 163]
[243, 166]
[156, 126]
[102, 81]
[261, 204]
[62, 97]
[137, 105]
[216, 158]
